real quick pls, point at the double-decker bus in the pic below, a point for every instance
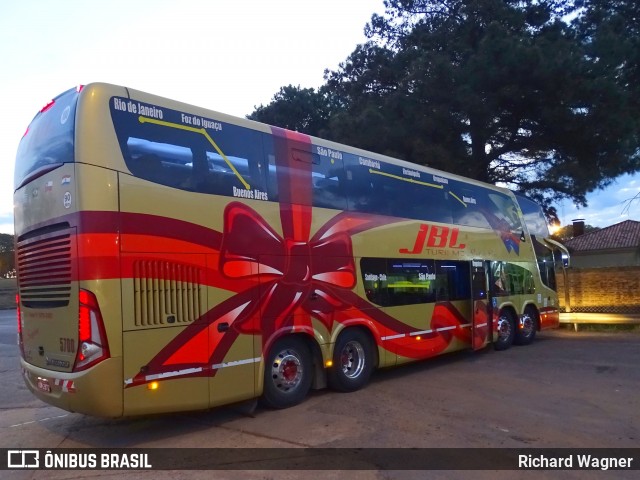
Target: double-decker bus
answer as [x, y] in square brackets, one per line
[175, 258]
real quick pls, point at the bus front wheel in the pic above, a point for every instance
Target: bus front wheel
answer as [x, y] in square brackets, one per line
[353, 361]
[287, 373]
[506, 330]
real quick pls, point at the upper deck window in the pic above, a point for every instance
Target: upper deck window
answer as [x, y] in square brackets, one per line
[203, 155]
[49, 140]
[387, 189]
[190, 152]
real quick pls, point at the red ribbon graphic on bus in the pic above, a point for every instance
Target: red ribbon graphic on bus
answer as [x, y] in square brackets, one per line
[295, 281]
[282, 282]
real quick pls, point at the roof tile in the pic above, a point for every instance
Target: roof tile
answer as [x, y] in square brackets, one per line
[621, 235]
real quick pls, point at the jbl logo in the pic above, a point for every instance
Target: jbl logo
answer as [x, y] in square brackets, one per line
[431, 236]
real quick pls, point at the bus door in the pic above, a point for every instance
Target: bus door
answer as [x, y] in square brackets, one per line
[481, 308]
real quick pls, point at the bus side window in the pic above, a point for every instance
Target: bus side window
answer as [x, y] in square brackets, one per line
[147, 166]
[157, 162]
[199, 179]
[361, 197]
[328, 183]
[233, 159]
[396, 282]
[511, 279]
[453, 280]
[293, 163]
[375, 283]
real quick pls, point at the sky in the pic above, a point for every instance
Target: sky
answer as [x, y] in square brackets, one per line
[224, 55]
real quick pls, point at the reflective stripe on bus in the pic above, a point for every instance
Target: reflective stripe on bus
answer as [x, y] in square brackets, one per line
[424, 332]
[188, 371]
[236, 363]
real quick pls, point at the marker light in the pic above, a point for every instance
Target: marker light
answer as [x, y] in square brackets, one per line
[153, 385]
[328, 363]
[47, 106]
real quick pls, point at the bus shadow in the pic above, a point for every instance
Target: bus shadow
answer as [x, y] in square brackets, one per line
[146, 431]
[459, 360]
[231, 425]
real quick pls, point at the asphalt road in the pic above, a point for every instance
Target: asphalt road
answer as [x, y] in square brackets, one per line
[567, 389]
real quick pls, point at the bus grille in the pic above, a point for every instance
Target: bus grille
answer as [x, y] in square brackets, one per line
[44, 271]
[166, 293]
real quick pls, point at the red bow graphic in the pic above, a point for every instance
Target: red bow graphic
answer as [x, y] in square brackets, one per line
[292, 273]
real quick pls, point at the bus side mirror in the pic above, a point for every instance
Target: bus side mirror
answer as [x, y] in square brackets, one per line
[560, 258]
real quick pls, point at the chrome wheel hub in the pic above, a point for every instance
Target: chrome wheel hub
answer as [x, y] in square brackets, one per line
[526, 325]
[504, 328]
[287, 370]
[352, 359]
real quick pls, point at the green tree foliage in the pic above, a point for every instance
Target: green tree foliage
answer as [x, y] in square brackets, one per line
[6, 243]
[7, 257]
[301, 109]
[534, 94]
[610, 32]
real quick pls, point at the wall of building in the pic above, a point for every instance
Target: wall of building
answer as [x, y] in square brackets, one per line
[601, 290]
[596, 259]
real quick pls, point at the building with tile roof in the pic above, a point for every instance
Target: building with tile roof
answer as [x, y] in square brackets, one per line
[614, 246]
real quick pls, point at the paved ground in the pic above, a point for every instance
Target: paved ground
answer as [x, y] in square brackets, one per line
[567, 389]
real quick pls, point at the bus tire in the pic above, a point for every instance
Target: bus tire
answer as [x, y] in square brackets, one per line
[287, 373]
[527, 326]
[353, 361]
[506, 330]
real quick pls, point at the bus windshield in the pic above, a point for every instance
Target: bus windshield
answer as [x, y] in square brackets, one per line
[49, 140]
[538, 229]
[533, 217]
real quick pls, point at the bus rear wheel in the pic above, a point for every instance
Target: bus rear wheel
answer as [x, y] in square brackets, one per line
[353, 361]
[506, 330]
[287, 373]
[527, 326]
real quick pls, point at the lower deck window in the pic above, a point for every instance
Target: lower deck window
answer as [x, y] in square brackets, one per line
[394, 282]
